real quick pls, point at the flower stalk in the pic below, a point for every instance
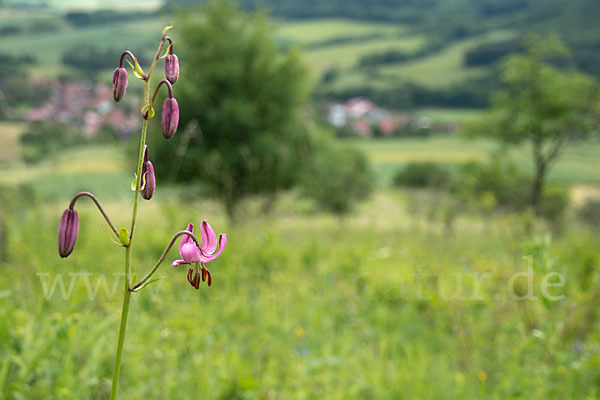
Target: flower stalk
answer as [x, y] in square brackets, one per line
[191, 249]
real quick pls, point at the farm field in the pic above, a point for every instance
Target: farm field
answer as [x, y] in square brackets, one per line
[328, 43]
[580, 163]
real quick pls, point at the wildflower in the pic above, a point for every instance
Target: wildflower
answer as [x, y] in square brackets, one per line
[200, 255]
[171, 67]
[68, 229]
[119, 83]
[148, 178]
[170, 117]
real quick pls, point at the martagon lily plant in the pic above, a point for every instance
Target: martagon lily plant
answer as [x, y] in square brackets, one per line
[194, 253]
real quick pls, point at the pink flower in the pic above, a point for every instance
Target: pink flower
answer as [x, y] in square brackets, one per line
[205, 253]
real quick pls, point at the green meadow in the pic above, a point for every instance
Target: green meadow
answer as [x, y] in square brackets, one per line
[303, 305]
[397, 300]
[579, 164]
[326, 42]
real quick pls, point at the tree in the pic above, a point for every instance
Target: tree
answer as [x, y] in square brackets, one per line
[542, 105]
[241, 128]
[337, 177]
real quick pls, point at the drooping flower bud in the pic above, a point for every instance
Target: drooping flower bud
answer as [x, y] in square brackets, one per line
[68, 229]
[148, 178]
[170, 117]
[171, 68]
[119, 83]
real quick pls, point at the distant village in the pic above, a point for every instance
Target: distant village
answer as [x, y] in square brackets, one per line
[361, 117]
[88, 106]
[91, 108]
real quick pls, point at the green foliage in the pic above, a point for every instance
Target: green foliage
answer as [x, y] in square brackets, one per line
[543, 106]
[244, 97]
[589, 213]
[337, 177]
[422, 175]
[555, 203]
[497, 184]
[44, 139]
[300, 309]
[90, 59]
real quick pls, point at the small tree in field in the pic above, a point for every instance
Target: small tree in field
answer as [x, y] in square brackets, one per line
[243, 133]
[543, 106]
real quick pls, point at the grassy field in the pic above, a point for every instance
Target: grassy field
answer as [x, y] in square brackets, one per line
[318, 30]
[368, 307]
[330, 43]
[9, 136]
[48, 47]
[579, 164]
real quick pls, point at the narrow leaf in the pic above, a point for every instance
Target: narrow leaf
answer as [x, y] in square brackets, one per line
[134, 182]
[164, 32]
[139, 69]
[110, 236]
[166, 51]
[135, 73]
[150, 110]
[124, 237]
[149, 281]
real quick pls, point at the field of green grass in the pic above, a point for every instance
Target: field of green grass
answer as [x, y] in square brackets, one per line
[9, 137]
[329, 43]
[48, 47]
[384, 304]
[579, 164]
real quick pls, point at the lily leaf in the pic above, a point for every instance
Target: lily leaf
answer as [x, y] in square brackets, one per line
[110, 237]
[124, 237]
[164, 32]
[138, 72]
[134, 182]
[166, 51]
[149, 281]
[150, 110]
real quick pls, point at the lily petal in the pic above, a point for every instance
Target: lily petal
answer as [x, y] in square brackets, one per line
[209, 238]
[186, 238]
[204, 258]
[177, 263]
[190, 253]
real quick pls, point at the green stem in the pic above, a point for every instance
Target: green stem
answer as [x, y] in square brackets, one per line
[123, 328]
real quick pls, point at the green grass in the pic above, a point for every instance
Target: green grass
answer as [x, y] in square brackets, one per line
[346, 312]
[48, 48]
[9, 140]
[438, 70]
[346, 55]
[318, 30]
[579, 164]
[303, 305]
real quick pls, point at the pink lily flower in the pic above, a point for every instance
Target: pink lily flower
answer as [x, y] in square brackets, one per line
[205, 253]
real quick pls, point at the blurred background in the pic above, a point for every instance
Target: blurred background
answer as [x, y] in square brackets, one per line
[410, 190]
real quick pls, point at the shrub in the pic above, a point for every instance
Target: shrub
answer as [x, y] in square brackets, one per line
[422, 175]
[336, 178]
[589, 213]
[500, 181]
[554, 204]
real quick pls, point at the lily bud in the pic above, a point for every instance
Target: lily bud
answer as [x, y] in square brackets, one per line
[119, 83]
[148, 178]
[171, 68]
[68, 229]
[170, 117]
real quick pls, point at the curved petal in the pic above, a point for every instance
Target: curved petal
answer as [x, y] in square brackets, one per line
[186, 238]
[209, 238]
[190, 253]
[177, 263]
[209, 257]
